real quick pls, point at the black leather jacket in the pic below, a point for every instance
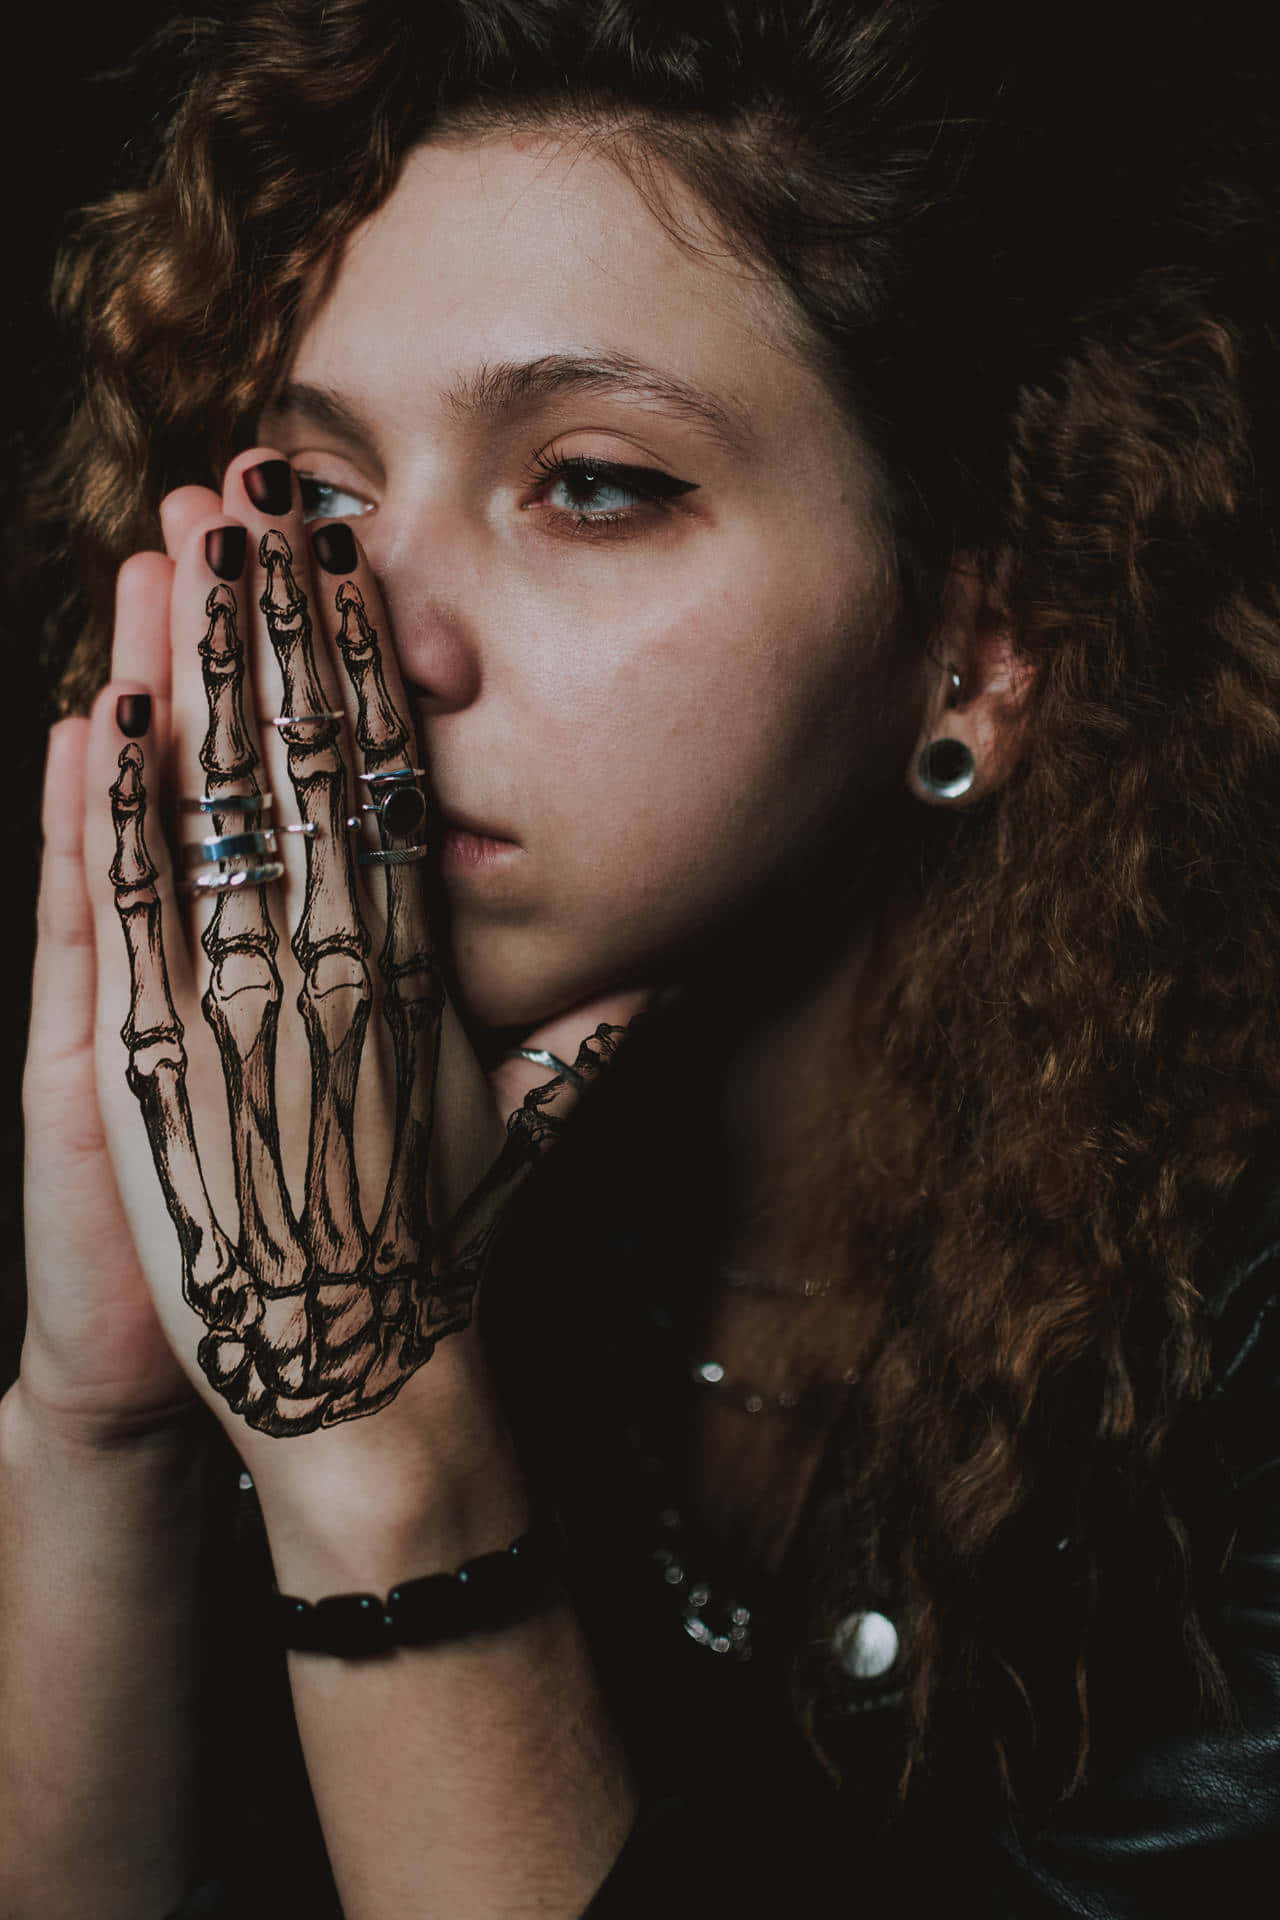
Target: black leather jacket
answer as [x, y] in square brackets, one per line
[1173, 1821]
[738, 1818]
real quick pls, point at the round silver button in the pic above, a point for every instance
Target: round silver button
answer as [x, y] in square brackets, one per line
[866, 1645]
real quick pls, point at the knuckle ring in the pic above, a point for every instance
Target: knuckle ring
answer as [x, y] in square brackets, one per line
[541, 1057]
[399, 803]
[384, 856]
[249, 804]
[391, 857]
[400, 812]
[283, 720]
[229, 846]
[219, 880]
[226, 861]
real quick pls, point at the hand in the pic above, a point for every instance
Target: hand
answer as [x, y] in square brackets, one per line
[224, 1111]
[96, 1364]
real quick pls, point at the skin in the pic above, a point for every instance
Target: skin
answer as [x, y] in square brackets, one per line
[664, 713]
[664, 716]
[670, 714]
[661, 713]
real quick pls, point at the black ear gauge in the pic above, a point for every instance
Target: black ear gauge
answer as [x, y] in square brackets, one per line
[946, 769]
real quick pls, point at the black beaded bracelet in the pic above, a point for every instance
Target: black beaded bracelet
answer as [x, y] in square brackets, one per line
[493, 1590]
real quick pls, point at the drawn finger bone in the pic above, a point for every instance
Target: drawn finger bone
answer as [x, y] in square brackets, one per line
[412, 1004]
[214, 1282]
[463, 1244]
[242, 1007]
[330, 944]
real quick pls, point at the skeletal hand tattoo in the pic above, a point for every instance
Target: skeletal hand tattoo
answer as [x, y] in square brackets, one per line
[316, 1319]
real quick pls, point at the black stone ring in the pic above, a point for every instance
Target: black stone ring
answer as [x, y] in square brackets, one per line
[400, 804]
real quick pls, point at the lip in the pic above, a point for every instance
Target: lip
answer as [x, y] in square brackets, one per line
[452, 820]
[466, 844]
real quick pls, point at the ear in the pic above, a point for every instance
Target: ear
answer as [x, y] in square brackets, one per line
[975, 693]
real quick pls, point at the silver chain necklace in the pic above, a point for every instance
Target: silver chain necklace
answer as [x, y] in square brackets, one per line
[723, 1625]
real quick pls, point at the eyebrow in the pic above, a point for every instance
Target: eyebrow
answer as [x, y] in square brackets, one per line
[322, 407]
[513, 386]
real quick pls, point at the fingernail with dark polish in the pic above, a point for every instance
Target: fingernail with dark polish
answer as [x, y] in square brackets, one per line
[334, 547]
[270, 486]
[133, 714]
[224, 549]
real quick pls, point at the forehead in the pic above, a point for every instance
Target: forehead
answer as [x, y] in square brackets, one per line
[507, 248]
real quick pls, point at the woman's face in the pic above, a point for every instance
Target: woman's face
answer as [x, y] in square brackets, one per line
[630, 556]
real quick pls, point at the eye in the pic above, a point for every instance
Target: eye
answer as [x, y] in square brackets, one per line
[588, 489]
[322, 500]
[595, 494]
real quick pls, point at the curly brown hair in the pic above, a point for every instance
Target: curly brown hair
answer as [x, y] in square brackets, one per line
[1058, 349]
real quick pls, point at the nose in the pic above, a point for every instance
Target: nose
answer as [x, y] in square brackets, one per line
[435, 620]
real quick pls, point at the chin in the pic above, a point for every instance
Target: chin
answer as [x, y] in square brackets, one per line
[513, 985]
[503, 990]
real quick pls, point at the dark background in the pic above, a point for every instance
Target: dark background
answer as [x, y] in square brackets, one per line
[66, 139]
[1196, 83]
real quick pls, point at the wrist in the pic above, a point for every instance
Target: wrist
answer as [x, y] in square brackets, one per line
[163, 1445]
[494, 1590]
[124, 1505]
[428, 1482]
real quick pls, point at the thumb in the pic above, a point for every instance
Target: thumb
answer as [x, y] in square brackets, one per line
[582, 1040]
[535, 1096]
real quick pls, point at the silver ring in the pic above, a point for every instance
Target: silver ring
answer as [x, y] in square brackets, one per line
[283, 720]
[245, 803]
[229, 846]
[390, 789]
[223, 879]
[541, 1058]
[398, 774]
[391, 806]
[392, 857]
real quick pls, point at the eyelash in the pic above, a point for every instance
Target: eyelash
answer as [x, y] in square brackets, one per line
[656, 489]
[313, 490]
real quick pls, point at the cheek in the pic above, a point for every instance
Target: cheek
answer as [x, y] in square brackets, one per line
[681, 762]
[713, 743]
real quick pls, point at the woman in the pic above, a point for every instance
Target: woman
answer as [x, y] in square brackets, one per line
[837, 611]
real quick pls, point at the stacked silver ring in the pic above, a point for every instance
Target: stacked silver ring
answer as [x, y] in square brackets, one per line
[400, 808]
[247, 858]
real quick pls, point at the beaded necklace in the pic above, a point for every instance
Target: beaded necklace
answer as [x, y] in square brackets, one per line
[714, 1614]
